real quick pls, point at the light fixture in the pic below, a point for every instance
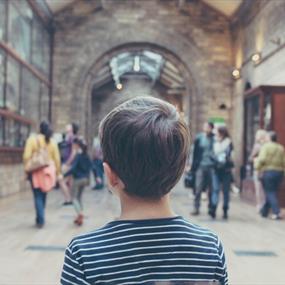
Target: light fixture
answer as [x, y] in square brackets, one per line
[236, 73]
[137, 66]
[256, 58]
[119, 86]
[223, 106]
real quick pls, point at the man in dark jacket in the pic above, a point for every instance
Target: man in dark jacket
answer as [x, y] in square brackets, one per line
[203, 164]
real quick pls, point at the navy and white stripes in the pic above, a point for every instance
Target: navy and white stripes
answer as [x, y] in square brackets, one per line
[145, 252]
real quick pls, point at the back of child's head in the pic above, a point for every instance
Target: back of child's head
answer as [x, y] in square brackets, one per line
[145, 141]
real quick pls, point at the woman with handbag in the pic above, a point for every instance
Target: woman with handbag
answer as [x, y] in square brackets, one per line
[223, 171]
[42, 165]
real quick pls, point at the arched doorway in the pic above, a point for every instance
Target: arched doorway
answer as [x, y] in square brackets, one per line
[136, 70]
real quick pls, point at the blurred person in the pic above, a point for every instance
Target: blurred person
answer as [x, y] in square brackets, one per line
[80, 171]
[72, 131]
[223, 178]
[43, 140]
[97, 162]
[203, 165]
[65, 151]
[261, 137]
[145, 145]
[271, 162]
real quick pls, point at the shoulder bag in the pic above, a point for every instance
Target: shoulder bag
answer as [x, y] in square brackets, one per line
[39, 159]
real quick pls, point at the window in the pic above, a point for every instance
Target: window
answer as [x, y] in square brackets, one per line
[14, 130]
[12, 87]
[24, 96]
[252, 114]
[40, 46]
[1, 131]
[46, 53]
[2, 19]
[23, 134]
[267, 112]
[30, 96]
[2, 80]
[44, 108]
[37, 45]
[20, 28]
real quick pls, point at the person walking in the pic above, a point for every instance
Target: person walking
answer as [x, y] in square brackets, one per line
[98, 164]
[261, 137]
[271, 162]
[67, 156]
[36, 143]
[223, 148]
[203, 165]
[64, 150]
[80, 171]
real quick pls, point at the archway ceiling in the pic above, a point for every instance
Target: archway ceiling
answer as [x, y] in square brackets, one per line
[148, 63]
[227, 7]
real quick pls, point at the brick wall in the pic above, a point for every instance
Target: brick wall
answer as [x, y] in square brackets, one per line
[12, 179]
[198, 36]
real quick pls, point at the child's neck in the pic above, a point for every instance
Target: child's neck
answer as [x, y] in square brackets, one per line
[140, 209]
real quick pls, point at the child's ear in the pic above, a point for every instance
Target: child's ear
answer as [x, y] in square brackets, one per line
[113, 179]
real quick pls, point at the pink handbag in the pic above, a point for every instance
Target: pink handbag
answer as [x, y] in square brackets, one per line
[45, 178]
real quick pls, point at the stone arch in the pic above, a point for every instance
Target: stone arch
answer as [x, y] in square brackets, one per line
[190, 84]
[83, 51]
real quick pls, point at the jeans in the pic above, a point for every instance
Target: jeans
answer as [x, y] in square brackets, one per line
[271, 181]
[98, 169]
[76, 193]
[40, 203]
[204, 178]
[222, 180]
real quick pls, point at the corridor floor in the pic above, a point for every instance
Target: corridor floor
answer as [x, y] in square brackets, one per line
[255, 247]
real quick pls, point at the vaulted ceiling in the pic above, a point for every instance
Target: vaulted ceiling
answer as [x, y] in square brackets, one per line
[227, 7]
[57, 5]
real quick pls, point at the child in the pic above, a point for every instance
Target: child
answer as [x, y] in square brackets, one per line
[145, 144]
[80, 171]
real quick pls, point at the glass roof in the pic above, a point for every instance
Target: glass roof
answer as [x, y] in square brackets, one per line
[145, 62]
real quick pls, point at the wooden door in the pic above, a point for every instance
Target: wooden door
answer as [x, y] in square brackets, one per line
[279, 116]
[279, 128]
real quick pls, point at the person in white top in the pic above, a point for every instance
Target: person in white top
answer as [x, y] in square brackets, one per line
[261, 137]
[223, 148]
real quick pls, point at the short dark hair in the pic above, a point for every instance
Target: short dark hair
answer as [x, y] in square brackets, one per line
[211, 124]
[272, 136]
[46, 130]
[75, 128]
[81, 143]
[223, 131]
[146, 142]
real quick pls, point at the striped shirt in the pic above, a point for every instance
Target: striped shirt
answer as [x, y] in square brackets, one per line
[145, 252]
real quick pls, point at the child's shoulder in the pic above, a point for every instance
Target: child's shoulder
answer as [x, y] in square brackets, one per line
[100, 234]
[119, 229]
[203, 232]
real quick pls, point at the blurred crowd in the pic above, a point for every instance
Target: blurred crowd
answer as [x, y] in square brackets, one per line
[210, 170]
[65, 164]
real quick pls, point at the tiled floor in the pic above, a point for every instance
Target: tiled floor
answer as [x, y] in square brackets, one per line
[255, 247]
